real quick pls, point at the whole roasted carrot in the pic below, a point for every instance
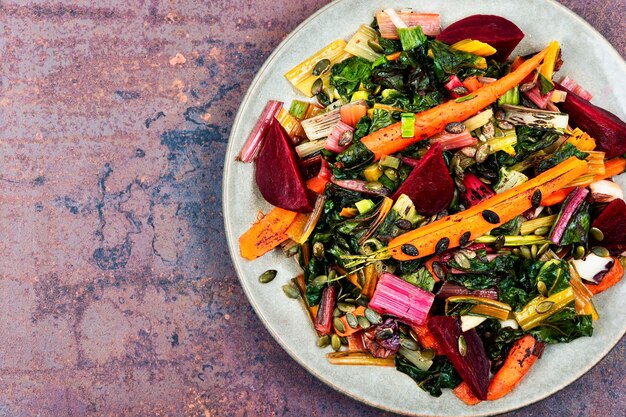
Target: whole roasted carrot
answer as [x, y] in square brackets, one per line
[430, 122]
[523, 354]
[615, 274]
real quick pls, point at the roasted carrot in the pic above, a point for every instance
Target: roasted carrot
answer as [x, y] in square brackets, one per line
[426, 338]
[266, 234]
[349, 212]
[465, 394]
[394, 56]
[612, 168]
[389, 140]
[352, 113]
[359, 311]
[429, 265]
[479, 219]
[523, 354]
[472, 84]
[615, 274]
[371, 279]
[355, 342]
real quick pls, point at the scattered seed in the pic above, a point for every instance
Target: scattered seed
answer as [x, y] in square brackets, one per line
[596, 234]
[413, 335]
[346, 138]
[318, 250]
[319, 280]
[267, 276]
[442, 245]
[504, 125]
[346, 307]
[335, 342]
[362, 300]
[542, 288]
[542, 231]
[391, 174]
[363, 322]
[535, 200]
[499, 243]
[544, 306]
[462, 346]
[404, 224]
[374, 186]
[491, 217]
[317, 87]
[352, 321]
[465, 237]
[462, 260]
[468, 151]
[344, 340]
[384, 333]
[533, 251]
[500, 115]
[409, 250]
[291, 291]
[337, 312]
[482, 153]
[409, 344]
[460, 91]
[488, 130]
[525, 252]
[321, 67]
[580, 252]
[516, 252]
[372, 316]
[455, 127]
[375, 46]
[601, 251]
[339, 325]
[542, 250]
[323, 341]
[468, 253]
[438, 270]
[527, 86]
[428, 354]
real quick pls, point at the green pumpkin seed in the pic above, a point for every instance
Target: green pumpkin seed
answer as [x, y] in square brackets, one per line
[468, 151]
[372, 316]
[318, 250]
[337, 312]
[525, 252]
[374, 186]
[346, 307]
[363, 322]
[600, 251]
[579, 253]
[533, 251]
[462, 346]
[542, 288]
[409, 344]
[462, 260]
[428, 354]
[488, 130]
[321, 67]
[503, 124]
[375, 46]
[455, 127]
[319, 280]
[413, 335]
[438, 270]
[542, 250]
[544, 306]
[291, 291]
[482, 153]
[391, 174]
[267, 276]
[541, 231]
[352, 321]
[499, 243]
[468, 253]
[335, 342]
[339, 325]
[323, 341]
[362, 300]
[596, 234]
[516, 252]
[317, 87]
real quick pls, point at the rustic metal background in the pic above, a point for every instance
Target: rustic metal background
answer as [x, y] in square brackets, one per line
[117, 296]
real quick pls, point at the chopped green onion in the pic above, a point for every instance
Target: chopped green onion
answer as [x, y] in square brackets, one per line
[298, 109]
[510, 97]
[364, 205]
[545, 85]
[408, 125]
[411, 37]
[390, 162]
[464, 98]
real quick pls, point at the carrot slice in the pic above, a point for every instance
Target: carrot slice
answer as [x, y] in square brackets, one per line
[472, 84]
[615, 275]
[522, 356]
[352, 113]
[465, 394]
[426, 338]
[429, 265]
[389, 140]
[394, 56]
[266, 234]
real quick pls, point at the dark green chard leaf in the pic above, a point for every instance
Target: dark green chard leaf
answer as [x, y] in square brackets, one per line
[421, 278]
[510, 228]
[440, 375]
[529, 140]
[362, 128]
[381, 118]
[563, 326]
[567, 151]
[348, 74]
[389, 45]
[450, 61]
[545, 85]
[555, 275]
[314, 290]
[389, 74]
[520, 287]
[357, 155]
[577, 229]
[497, 339]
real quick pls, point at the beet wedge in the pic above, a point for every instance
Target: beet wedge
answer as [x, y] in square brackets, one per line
[607, 129]
[277, 174]
[468, 357]
[497, 31]
[612, 223]
[429, 185]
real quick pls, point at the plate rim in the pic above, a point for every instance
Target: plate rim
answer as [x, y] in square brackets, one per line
[236, 261]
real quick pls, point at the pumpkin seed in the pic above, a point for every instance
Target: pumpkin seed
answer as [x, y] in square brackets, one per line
[384, 333]
[468, 151]
[317, 87]
[500, 115]
[323, 341]
[363, 322]
[428, 354]
[409, 344]
[499, 242]
[404, 224]
[409, 250]
[362, 300]
[374, 186]
[318, 250]
[542, 288]
[527, 86]
[535, 200]
[442, 245]
[544, 306]
[482, 153]
[491, 217]
[516, 252]
[533, 251]
[488, 130]
[600, 251]
[525, 252]
[267, 276]
[372, 316]
[319, 280]
[291, 291]
[335, 342]
[321, 67]
[337, 312]
[438, 270]
[346, 307]
[346, 138]
[465, 237]
[542, 231]
[352, 321]
[596, 234]
[462, 260]
[391, 174]
[504, 125]
[579, 253]
[462, 346]
[413, 335]
[468, 253]
[455, 127]
[460, 91]
[375, 46]
[542, 250]
[339, 325]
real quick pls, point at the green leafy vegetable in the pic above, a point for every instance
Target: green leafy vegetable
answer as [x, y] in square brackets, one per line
[545, 85]
[381, 118]
[563, 326]
[411, 37]
[510, 228]
[555, 276]
[578, 227]
[421, 278]
[440, 375]
[567, 151]
[348, 74]
[449, 61]
[529, 140]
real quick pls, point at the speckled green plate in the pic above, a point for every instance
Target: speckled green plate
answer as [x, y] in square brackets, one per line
[588, 58]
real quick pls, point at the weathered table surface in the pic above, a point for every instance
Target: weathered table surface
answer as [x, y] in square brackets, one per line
[117, 296]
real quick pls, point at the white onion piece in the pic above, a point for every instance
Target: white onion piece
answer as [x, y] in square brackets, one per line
[605, 191]
[512, 323]
[592, 265]
[469, 322]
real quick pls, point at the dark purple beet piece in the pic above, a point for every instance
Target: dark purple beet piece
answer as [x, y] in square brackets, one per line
[429, 185]
[497, 31]
[277, 174]
[607, 129]
[612, 222]
[473, 366]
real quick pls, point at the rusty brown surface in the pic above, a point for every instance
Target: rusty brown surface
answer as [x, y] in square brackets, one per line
[116, 293]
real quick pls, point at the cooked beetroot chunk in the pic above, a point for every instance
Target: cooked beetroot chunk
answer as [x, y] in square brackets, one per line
[497, 31]
[607, 129]
[277, 174]
[429, 185]
[473, 365]
[612, 222]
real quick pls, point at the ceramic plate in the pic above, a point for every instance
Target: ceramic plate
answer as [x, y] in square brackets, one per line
[588, 58]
